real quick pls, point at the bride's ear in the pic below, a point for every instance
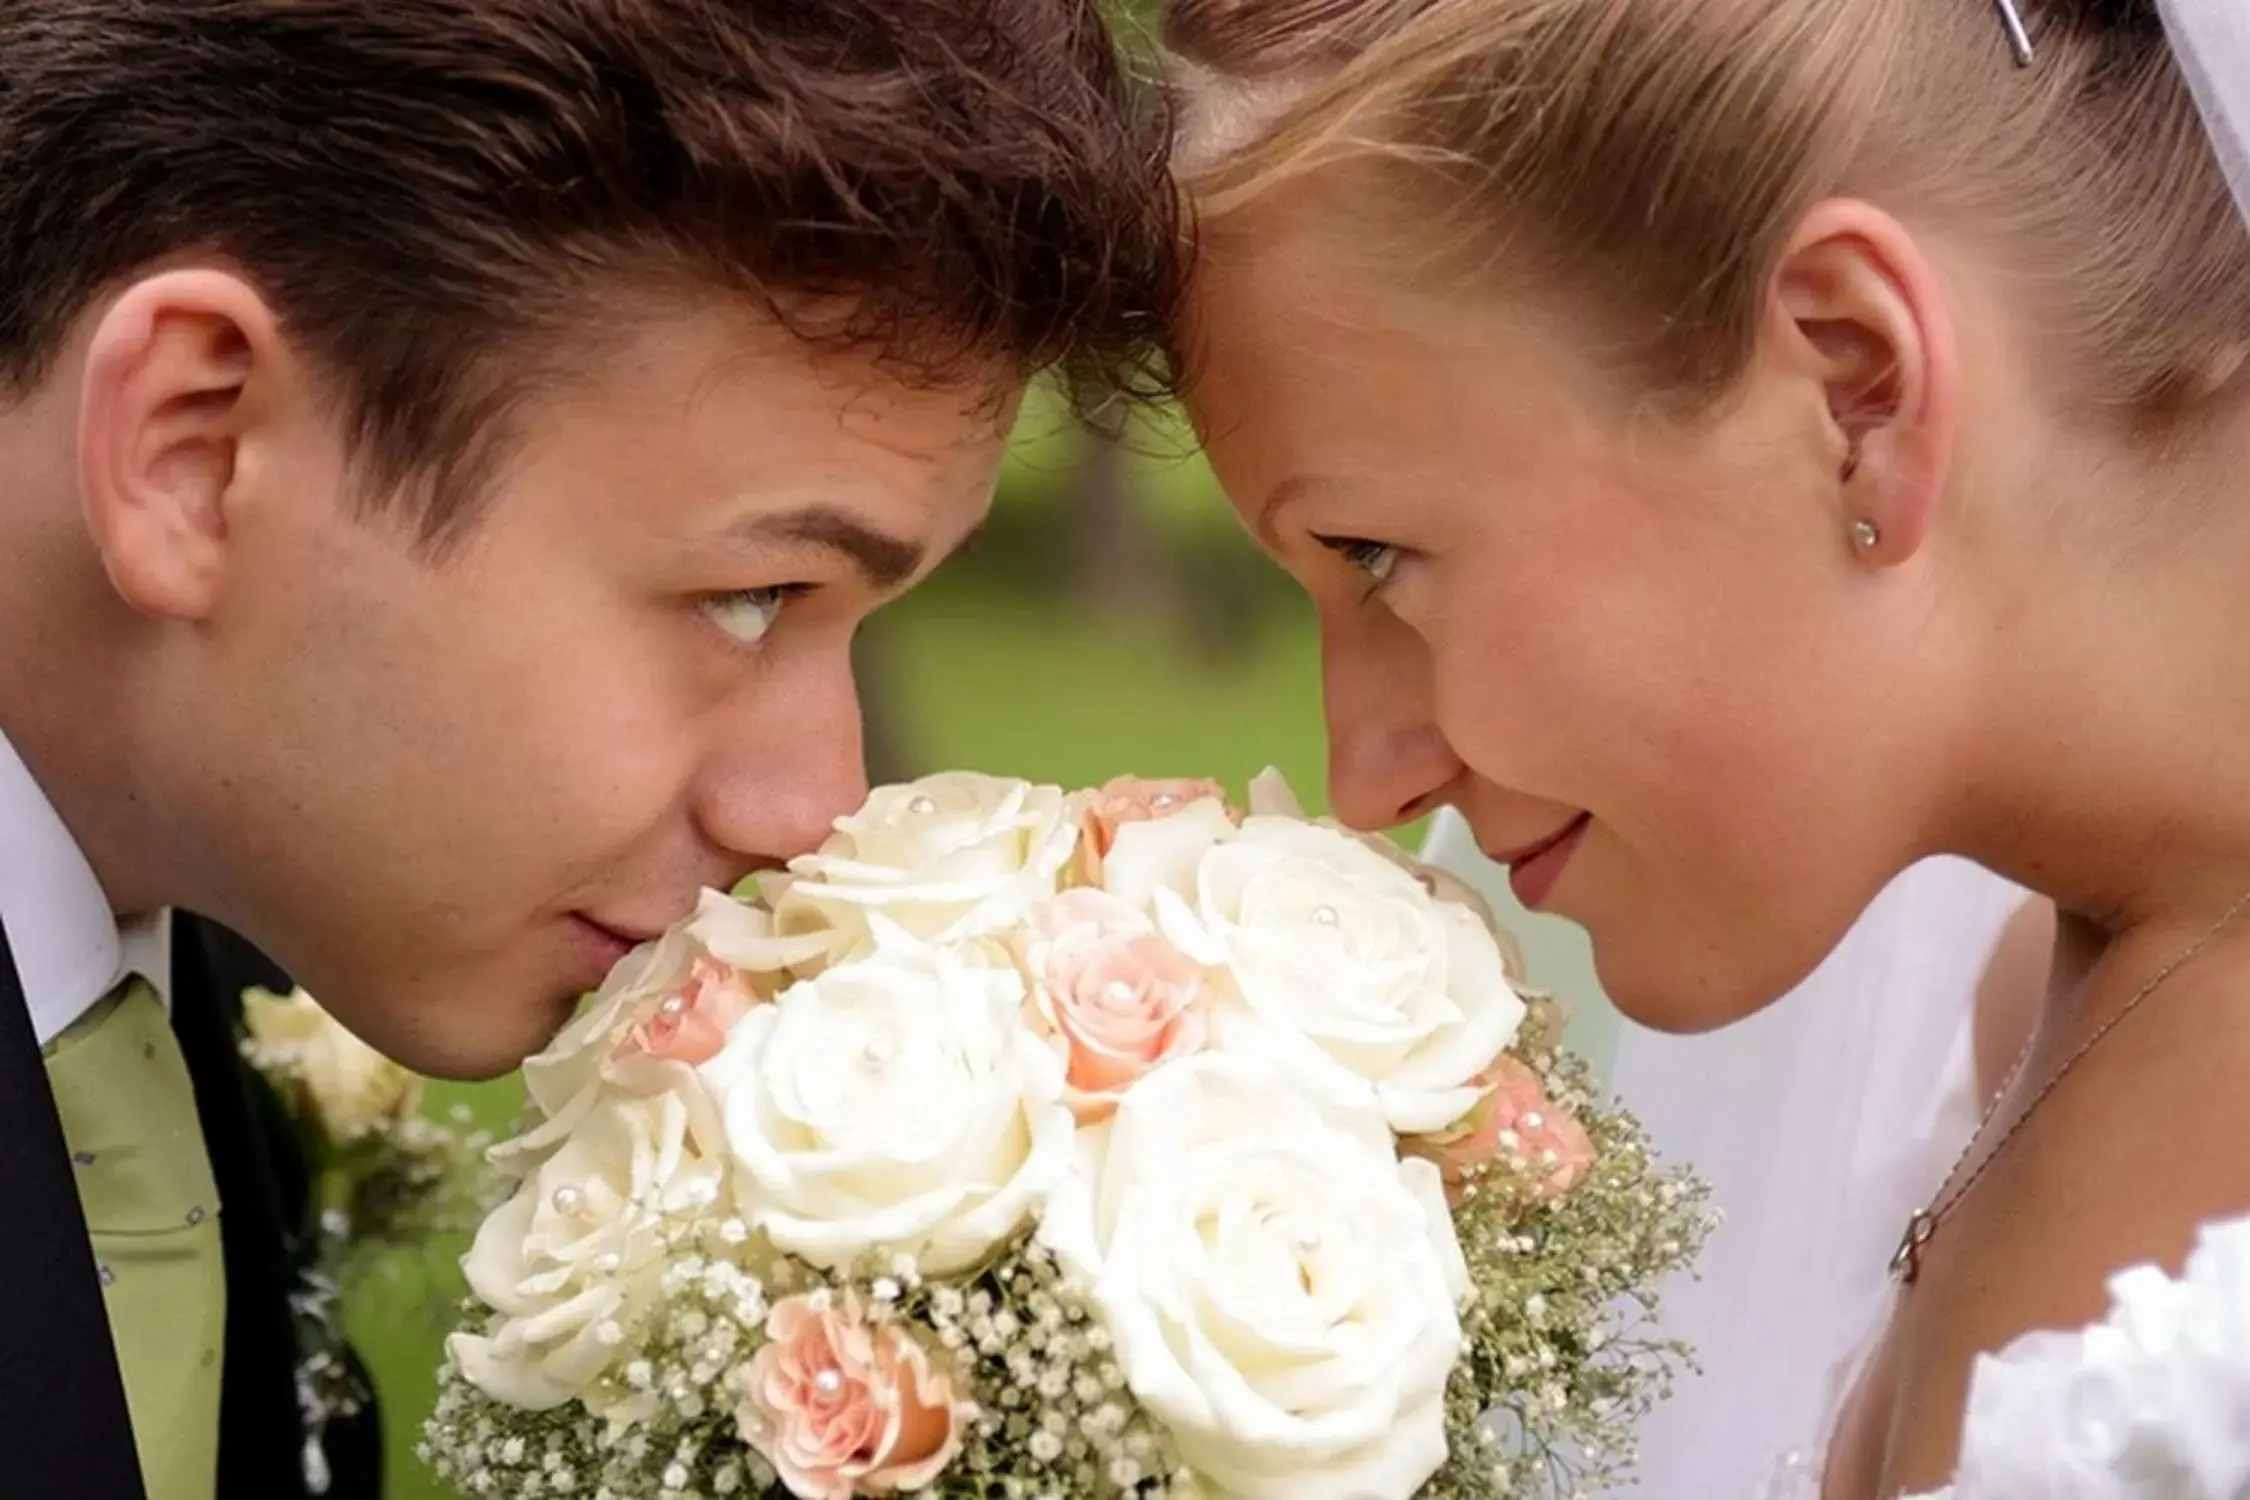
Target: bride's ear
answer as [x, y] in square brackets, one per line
[1856, 309]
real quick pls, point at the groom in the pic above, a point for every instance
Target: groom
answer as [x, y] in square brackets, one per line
[449, 445]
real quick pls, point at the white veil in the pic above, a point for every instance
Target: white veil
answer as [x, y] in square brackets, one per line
[2211, 38]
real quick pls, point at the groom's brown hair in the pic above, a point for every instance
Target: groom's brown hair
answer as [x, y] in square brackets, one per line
[432, 192]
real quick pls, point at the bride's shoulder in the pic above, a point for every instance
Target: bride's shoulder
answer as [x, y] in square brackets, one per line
[2150, 1403]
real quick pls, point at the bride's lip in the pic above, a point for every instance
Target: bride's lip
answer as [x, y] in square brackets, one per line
[1536, 869]
[1537, 847]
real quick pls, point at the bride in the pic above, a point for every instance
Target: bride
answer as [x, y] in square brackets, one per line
[1739, 448]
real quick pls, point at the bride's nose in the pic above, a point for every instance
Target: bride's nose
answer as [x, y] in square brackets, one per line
[1387, 761]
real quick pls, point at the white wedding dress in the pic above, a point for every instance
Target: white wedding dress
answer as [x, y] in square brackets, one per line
[2152, 1403]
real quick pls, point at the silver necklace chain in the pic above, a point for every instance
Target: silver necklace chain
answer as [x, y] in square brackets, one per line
[1906, 1264]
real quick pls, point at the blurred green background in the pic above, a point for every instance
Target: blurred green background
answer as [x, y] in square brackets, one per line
[1111, 618]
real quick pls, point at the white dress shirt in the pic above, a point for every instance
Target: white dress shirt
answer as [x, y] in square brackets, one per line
[69, 947]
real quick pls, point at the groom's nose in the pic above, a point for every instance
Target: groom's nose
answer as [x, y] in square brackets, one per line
[787, 765]
[1387, 762]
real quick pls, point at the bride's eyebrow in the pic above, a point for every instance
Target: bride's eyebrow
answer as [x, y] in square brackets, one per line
[1283, 495]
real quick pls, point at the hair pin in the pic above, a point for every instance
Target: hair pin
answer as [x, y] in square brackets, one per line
[2019, 35]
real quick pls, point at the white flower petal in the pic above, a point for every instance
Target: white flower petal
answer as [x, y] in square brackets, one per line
[903, 1105]
[1215, 1171]
[1323, 936]
[574, 1247]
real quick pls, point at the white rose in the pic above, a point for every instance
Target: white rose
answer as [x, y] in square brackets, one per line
[1339, 958]
[353, 1089]
[575, 1259]
[946, 858]
[1272, 796]
[897, 1102]
[723, 960]
[1280, 1286]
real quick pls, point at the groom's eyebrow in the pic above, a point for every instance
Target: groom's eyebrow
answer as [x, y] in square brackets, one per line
[885, 561]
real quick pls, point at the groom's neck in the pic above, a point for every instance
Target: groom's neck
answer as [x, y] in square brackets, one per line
[70, 654]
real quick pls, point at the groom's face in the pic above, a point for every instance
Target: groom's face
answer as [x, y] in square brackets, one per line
[448, 794]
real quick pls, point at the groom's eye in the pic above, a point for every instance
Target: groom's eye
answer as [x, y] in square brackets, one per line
[747, 614]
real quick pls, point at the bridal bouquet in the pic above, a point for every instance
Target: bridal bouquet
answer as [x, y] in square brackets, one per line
[1024, 1143]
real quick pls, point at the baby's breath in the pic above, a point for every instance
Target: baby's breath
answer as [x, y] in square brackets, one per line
[1561, 1360]
[1043, 1408]
[1051, 1415]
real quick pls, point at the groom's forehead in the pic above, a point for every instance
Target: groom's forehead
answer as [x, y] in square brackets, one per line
[721, 434]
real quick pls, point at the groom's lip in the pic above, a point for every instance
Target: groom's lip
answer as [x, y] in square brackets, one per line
[605, 946]
[634, 935]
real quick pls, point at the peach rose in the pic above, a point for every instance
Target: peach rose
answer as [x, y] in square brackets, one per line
[596, 1053]
[841, 1406]
[1517, 1118]
[690, 1024]
[1133, 799]
[1112, 994]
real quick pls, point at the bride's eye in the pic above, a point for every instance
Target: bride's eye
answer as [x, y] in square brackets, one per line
[1376, 559]
[747, 614]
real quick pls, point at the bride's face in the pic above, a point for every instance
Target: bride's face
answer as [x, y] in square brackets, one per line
[1573, 620]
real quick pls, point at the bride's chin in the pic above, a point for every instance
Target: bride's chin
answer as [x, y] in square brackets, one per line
[1673, 982]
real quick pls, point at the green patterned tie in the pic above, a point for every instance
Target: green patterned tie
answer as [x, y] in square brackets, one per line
[136, 1145]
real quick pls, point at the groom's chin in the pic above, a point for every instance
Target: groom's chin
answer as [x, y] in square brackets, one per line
[463, 1026]
[482, 1057]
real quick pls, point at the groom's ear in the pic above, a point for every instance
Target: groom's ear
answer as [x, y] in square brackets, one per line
[178, 371]
[1856, 309]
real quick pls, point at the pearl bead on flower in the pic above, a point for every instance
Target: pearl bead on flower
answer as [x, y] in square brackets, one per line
[567, 1200]
[1117, 992]
[674, 1005]
[1326, 916]
[828, 1382]
[922, 807]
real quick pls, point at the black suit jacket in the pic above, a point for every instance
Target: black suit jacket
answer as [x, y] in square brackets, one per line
[269, 1223]
[64, 1430]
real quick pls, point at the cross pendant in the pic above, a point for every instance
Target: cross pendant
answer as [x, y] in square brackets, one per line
[1906, 1265]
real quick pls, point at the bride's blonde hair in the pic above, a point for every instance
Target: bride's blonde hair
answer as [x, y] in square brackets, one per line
[1656, 154]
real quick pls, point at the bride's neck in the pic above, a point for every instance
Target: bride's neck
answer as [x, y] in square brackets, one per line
[2110, 744]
